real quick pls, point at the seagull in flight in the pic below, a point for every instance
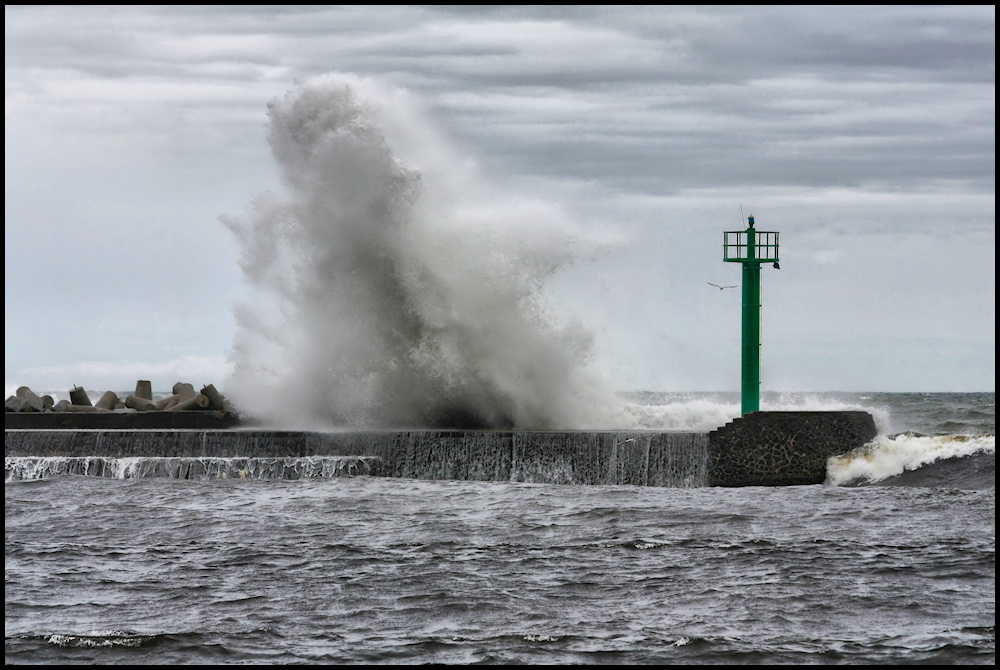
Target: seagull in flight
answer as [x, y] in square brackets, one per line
[719, 287]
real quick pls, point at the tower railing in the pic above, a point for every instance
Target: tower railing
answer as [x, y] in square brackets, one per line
[750, 247]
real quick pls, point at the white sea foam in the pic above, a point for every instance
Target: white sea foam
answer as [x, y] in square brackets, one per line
[100, 638]
[888, 456]
[695, 414]
[819, 402]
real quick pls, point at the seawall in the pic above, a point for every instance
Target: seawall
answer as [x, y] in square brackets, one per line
[631, 458]
[761, 449]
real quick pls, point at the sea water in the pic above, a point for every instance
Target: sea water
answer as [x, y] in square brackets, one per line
[891, 561]
[392, 286]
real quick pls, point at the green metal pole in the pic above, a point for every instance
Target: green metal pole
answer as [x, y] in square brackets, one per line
[751, 325]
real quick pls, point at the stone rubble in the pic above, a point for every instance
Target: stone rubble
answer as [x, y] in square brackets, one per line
[183, 397]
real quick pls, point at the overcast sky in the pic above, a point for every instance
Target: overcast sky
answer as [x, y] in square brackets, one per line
[865, 136]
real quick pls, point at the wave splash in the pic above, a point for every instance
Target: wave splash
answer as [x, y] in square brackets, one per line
[889, 456]
[387, 296]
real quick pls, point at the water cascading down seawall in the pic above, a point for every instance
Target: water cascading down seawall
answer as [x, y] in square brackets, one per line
[641, 459]
[760, 449]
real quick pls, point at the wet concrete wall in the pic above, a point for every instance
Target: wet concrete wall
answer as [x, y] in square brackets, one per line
[761, 449]
[629, 458]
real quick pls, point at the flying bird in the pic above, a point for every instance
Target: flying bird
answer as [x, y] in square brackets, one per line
[719, 287]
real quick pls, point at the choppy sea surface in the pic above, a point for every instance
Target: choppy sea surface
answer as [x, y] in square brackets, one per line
[891, 561]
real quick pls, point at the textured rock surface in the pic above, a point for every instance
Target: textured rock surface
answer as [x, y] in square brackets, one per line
[784, 448]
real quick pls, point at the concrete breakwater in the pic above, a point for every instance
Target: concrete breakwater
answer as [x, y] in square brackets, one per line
[182, 408]
[641, 459]
[761, 449]
[197, 434]
[784, 448]
[182, 398]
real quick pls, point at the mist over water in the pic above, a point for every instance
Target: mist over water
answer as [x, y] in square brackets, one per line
[394, 288]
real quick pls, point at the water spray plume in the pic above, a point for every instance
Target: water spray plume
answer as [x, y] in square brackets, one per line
[390, 288]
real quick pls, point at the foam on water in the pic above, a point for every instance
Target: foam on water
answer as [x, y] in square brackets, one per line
[706, 411]
[819, 402]
[681, 414]
[98, 638]
[394, 287]
[891, 455]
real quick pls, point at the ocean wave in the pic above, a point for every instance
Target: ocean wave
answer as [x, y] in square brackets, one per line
[694, 414]
[107, 638]
[892, 455]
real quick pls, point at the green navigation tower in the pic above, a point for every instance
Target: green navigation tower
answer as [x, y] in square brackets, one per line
[751, 248]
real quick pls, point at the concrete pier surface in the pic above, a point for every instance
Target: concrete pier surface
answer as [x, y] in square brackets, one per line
[117, 420]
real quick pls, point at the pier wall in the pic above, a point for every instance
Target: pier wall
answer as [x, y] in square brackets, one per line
[761, 449]
[629, 458]
[784, 448]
